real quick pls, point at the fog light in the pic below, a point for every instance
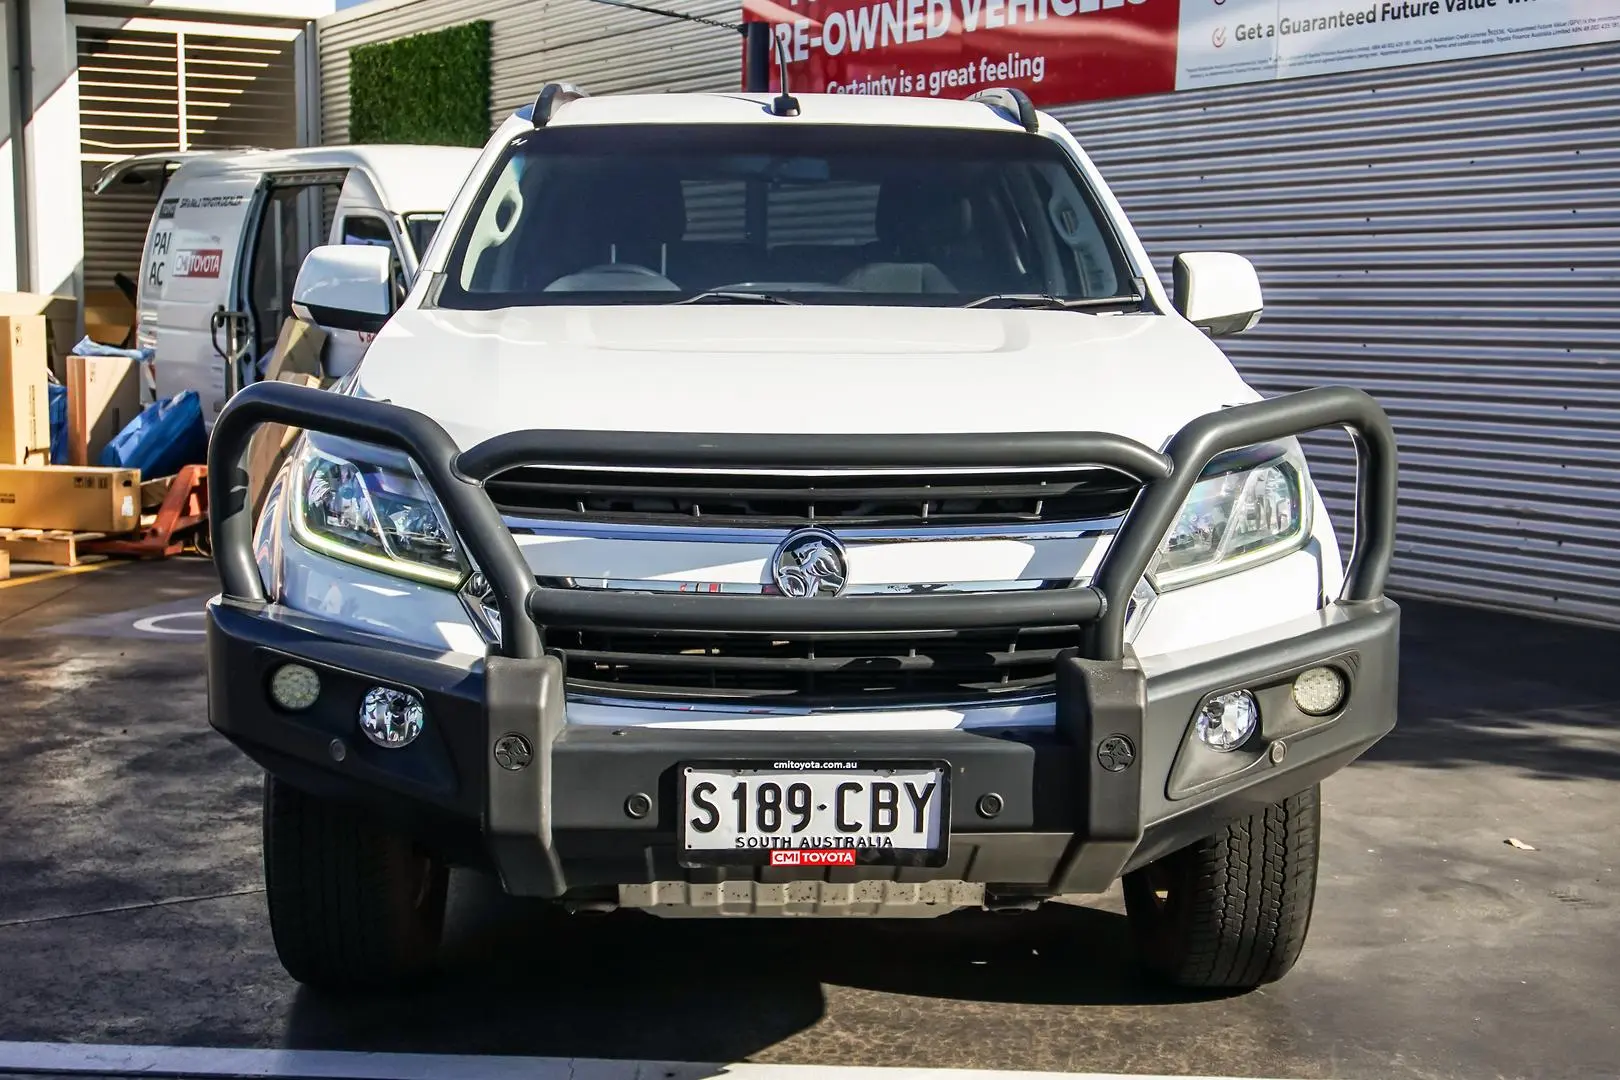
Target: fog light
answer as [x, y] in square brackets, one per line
[1319, 690]
[392, 718]
[294, 687]
[1227, 720]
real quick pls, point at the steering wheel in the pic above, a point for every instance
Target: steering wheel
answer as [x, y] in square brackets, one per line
[626, 268]
[582, 280]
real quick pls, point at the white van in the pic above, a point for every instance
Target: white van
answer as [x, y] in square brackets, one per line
[232, 228]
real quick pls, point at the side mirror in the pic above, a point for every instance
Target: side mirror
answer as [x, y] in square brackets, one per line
[1218, 292]
[346, 287]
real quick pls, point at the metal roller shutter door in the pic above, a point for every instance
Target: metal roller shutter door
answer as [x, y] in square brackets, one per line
[129, 103]
[1447, 238]
[115, 225]
[136, 85]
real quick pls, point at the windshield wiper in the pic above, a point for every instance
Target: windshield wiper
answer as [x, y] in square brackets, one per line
[1055, 303]
[736, 296]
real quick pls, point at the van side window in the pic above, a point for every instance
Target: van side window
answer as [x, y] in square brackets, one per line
[373, 231]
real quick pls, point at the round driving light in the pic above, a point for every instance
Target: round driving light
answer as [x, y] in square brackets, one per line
[1319, 690]
[1227, 720]
[391, 718]
[294, 687]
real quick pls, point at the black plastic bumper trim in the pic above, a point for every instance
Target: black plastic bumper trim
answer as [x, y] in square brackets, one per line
[1092, 791]
[725, 612]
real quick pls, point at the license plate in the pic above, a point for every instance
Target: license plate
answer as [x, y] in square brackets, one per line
[754, 812]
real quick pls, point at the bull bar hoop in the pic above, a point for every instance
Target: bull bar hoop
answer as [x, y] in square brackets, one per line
[1100, 606]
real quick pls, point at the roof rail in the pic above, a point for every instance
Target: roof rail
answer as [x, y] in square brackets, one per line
[1015, 103]
[554, 96]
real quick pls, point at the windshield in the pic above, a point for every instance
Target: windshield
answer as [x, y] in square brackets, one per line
[420, 229]
[844, 215]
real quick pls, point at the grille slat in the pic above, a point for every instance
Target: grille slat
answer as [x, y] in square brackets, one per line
[539, 491]
[870, 671]
[803, 665]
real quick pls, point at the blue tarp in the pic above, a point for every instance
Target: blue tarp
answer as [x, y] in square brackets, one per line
[167, 435]
[59, 432]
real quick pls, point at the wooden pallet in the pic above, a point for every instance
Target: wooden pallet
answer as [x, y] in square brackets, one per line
[55, 546]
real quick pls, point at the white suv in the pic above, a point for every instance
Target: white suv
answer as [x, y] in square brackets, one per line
[773, 507]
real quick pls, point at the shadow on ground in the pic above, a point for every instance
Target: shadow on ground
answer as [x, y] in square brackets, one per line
[1479, 687]
[630, 985]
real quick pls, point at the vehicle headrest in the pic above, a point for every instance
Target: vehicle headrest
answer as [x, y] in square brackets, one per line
[908, 214]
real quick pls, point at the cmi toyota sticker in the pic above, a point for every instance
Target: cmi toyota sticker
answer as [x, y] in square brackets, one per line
[203, 263]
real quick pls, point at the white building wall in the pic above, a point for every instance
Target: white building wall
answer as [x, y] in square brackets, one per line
[8, 188]
[56, 223]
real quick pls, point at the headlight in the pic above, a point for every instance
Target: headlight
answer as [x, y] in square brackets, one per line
[1239, 514]
[371, 507]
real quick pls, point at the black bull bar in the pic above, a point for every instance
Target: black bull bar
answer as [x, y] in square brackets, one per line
[1100, 606]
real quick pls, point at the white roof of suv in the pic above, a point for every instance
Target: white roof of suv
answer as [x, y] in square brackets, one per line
[741, 108]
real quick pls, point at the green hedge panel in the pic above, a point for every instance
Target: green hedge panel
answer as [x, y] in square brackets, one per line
[428, 88]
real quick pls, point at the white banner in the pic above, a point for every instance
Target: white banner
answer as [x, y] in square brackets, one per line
[1224, 42]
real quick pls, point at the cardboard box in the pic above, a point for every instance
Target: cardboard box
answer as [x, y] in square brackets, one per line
[267, 449]
[70, 498]
[298, 350]
[297, 360]
[104, 395]
[109, 317]
[61, 323]
[25, 401]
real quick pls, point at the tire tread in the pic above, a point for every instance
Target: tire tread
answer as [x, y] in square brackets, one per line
[339, 894]
[1242, 900]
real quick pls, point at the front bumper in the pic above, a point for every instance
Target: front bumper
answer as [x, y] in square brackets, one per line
[593, 812]
[562, 825]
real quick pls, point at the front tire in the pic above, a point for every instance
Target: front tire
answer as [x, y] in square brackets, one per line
[351, 905]
[1231, 911]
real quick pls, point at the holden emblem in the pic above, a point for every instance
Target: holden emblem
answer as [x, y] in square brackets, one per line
[810, 562]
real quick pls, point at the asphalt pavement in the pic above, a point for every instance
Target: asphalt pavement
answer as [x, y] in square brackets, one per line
[1466, 923]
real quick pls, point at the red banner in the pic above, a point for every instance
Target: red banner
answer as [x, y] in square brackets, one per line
[1054, 50]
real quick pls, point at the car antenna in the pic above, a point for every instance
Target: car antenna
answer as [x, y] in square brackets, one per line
[759, 41]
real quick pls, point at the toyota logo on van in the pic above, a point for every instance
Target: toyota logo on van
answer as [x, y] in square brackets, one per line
[198, 264]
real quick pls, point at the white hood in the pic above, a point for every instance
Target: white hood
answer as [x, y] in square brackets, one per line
[811, 369]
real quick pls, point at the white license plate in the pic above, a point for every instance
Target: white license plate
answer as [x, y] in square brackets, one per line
[883, 812]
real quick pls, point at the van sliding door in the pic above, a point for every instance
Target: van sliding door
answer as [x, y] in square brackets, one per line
[286, 225]
[196, 239]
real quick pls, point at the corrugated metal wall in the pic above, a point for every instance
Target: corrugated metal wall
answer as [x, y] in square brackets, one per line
[533, 42]
[1446, 237]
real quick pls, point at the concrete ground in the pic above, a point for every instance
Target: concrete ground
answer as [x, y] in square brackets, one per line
[131, 907]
